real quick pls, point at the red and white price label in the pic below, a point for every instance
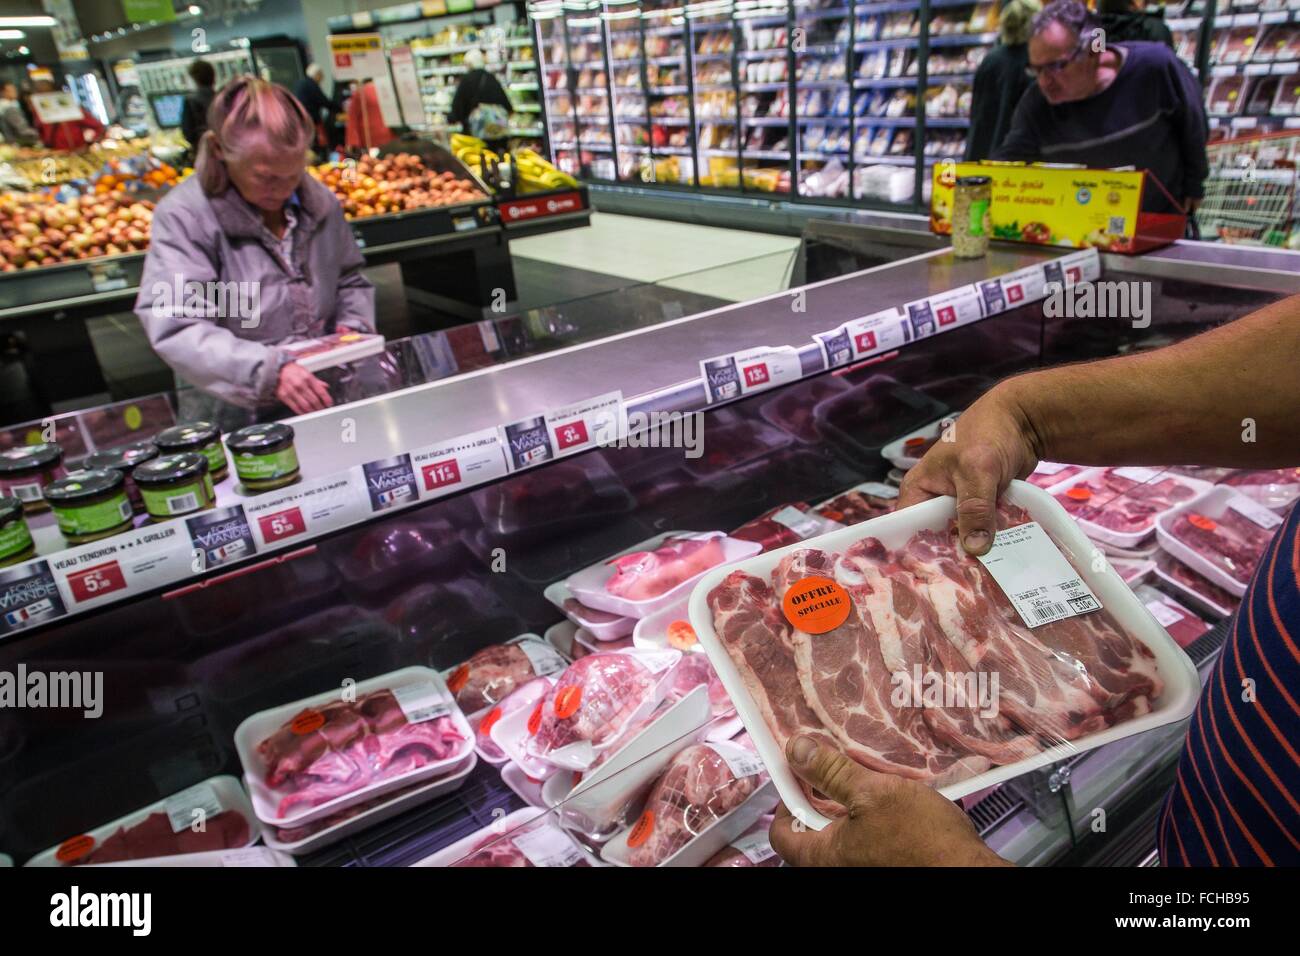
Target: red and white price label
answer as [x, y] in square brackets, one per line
[460, 462]
[866, 336]
[956, 307]
[753, 370]
[1024, 285]
[97, 581]
[1081, 266]
[597, 421]
[281, 525]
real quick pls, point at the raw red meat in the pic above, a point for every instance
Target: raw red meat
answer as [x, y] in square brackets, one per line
[769, 533]
[359, 743]
[1120, 504]
[522, 697]
[1203, 588]
[489, 676]
[696, 791]
[153, 837]
[497, 852]
[642, 575]
[1232, 542]
[1277, 488]
[1183, 626]
[693, 670]
[742, 851]
[593, 701]
[1044, 480]
[855, 507]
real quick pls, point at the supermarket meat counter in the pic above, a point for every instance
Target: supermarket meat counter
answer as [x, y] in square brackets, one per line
[432, 560]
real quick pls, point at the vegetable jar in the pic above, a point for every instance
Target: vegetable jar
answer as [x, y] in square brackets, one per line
[124, 459]
[202, 437]
[15, 540]
[971, 224]
[25, 470]
[264, 456]
[90, 505]
[175, 485]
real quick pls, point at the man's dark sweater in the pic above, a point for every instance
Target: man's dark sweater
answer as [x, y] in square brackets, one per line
[1000, 82]
[1150, 117]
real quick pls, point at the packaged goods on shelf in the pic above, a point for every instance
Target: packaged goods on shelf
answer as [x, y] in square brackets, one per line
[1222, 534]
[1182, 624]
[495, 671]
[1120, 506]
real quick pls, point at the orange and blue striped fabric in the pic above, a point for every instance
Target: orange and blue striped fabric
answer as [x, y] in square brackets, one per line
[1236, 801]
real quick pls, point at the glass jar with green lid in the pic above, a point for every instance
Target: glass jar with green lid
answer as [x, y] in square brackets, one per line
[175, 485]
[125, 459]
[26, 469]
[202, 437]
[90, 505]
[971, 225]
[264, 456]
[16, 543]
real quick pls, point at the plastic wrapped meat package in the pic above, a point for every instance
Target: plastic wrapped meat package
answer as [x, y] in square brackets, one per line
[1194, 588]
[306, 760]
[1277, 488]
[861, 422]
[860, 503]
[700, 786]
[752, 848]
[1049, 473]
[906, 452]
[524, 838]
[917, 662]
[524, 697]
[1182, 624]
[1222, 534]
[784, 524]
[1120, 505]
[602, 625]
[493, 672]
[166, 828]
[594, 701]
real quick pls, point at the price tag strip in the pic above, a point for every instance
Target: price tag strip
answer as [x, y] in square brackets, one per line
[307, 510]
[864, 337]
[459, 463]
[727, 377]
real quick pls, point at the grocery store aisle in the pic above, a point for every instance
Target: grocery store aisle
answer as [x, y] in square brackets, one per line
[727, 264]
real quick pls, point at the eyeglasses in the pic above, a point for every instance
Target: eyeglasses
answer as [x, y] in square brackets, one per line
[1056, 66]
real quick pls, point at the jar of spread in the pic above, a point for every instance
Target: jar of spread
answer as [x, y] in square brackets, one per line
[175, 485]
[971, 224]
[203, 437]
[90, 505]
[124, 459]
[16, 543]
[264, 456]
[26, 469]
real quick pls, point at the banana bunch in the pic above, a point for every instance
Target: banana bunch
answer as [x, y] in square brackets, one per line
[473, 152]
[536, 174]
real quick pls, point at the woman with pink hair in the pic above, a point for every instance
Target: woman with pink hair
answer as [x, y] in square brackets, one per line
[247, 255]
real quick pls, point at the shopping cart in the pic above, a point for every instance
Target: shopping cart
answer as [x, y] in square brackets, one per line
[1250, 194]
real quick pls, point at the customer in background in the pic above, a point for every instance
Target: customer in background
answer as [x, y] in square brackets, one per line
[15, 128]
[366, 127]
[481, 105]
[1105, 104]
[66, 134]
[315, 102]
[1127, 20]
[1236, 798]
[194, 112]
[1000, 80]
[268, 247]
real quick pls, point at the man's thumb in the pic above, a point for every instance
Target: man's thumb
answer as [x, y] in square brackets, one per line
[843, 780]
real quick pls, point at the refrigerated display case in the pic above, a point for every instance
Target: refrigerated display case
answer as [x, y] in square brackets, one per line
[427, 535]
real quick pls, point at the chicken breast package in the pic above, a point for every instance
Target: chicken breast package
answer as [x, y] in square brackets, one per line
[700, 786]
[306, 760]
[493, 672]
[594, 702]
[656, 572]
[888, 642]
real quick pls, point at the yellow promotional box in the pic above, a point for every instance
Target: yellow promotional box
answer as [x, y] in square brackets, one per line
[1060, 206]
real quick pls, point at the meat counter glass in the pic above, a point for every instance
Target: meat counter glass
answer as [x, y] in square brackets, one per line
[199, 675]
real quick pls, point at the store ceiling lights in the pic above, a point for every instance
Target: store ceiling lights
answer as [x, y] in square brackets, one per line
[19, 22]
[12, 34]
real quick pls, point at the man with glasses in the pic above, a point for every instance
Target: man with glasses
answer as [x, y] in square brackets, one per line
[1105, 105]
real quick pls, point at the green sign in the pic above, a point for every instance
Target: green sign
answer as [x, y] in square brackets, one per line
[142, 11]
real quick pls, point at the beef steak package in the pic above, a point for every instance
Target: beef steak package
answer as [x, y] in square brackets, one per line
[888, 642]
[1120, 506]
[1222, 534]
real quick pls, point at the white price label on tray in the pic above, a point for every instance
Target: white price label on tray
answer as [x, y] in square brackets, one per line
[945, 311]
[1023, 285]
[1167, 616]
[180, 809]
[601, 420]
[753, 370]
[657, 661]
[544, 658]
[547, 845]
[1253, 511]
[421, 701]
[1050, 468]
[1140, 475]
[805, 524]
[249, 856]
[741, 762]
[460, 462]
[308, 509]
[756, 846]
[1035, 575]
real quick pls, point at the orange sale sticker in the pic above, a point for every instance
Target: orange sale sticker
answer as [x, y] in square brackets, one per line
[816, 605]
[642, 830]
[308, 722]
